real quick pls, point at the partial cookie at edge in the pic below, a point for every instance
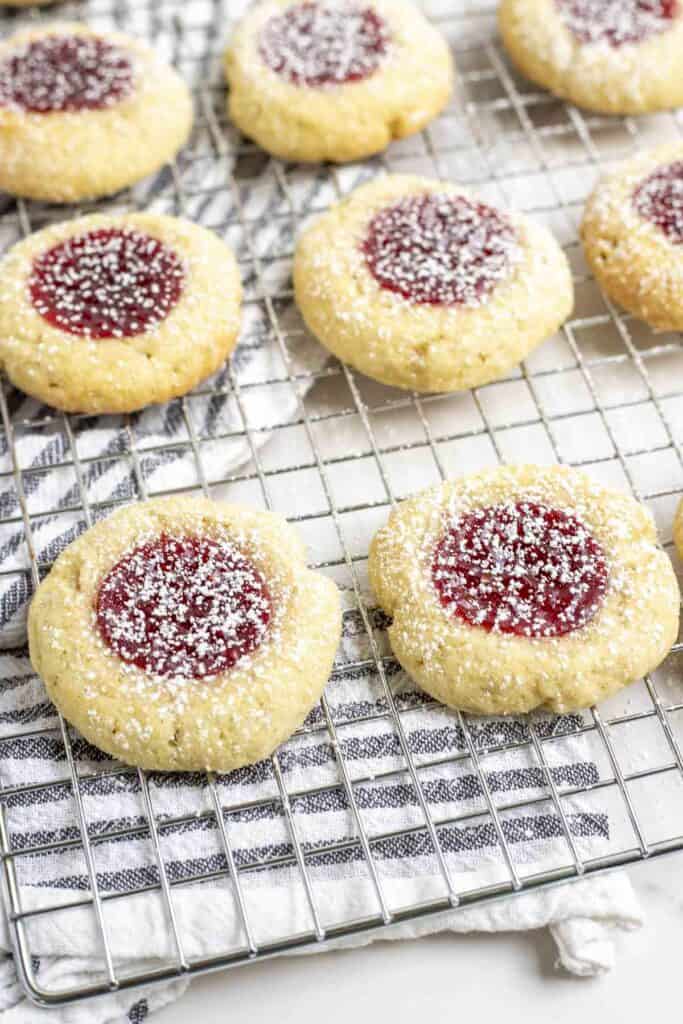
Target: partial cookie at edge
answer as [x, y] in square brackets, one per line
[631, 258]
[65, 157]
[345, 122]
[630, 79]
[110, 375]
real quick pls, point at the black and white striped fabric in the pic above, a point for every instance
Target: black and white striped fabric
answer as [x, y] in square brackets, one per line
[67, 944]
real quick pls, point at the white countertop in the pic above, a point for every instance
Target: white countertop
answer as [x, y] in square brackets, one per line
[473, 978]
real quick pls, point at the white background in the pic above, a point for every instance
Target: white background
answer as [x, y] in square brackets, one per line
[471, 978]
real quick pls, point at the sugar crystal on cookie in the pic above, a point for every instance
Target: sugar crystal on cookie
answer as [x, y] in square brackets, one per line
[323, 43]
[617, 22]
[187, 607]
[521, 568]
[63, 73]
[659, 199]
[440, 249]
[107, 283]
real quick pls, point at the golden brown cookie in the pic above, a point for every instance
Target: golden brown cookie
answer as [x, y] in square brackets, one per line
[678, 530]
[632, 235]
[84, 114]
[613, 56]
[420, 285]
[335, 79]
[523, 587]
[184, 634]
[106, 314]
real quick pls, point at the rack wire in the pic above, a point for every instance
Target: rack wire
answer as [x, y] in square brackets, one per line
[602, 395]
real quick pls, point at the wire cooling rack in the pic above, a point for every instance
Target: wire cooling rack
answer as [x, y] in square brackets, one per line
[604, 394]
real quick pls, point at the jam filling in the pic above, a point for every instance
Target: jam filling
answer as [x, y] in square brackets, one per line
[108, 283]
[617, 22]
[188, 607]
[319, 43]
[440, 249]
[659, 199]
[65, 74]
[521, 568]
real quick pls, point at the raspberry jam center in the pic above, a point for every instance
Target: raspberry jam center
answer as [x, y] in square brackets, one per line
[617, 22]
[440, 249]
[324, 43]
[520, 568]
[65, 73]
[659, 199]
[188, 607]
[108, 283]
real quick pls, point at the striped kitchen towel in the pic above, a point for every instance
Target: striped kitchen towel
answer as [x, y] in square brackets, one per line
[66, 947]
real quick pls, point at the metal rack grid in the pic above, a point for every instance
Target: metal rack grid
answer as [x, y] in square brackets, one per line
[499, 134]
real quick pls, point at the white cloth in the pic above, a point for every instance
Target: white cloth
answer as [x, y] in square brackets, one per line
[584, 919]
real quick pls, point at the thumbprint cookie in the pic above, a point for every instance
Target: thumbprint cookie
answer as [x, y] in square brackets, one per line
[632, 235]
[84, 114]
[523, 587]
[612, 56]
[335, 79]
[184, 634]
[107, 314]
[421, 285]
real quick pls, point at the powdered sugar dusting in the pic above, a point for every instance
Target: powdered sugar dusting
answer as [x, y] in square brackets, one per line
[325, 43]
[184, 607]
[659, 199]
[113, 282]
[63, 73]
[616, 22]
[488, 670]
[521, 568]
[440, 249]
